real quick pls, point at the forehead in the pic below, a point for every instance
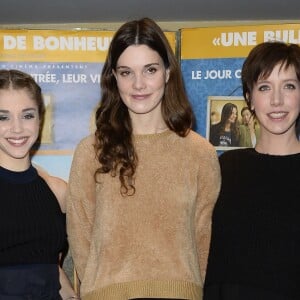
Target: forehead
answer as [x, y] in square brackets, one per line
[138, 55]
[10, 98]
[280, 70]
[246, 112]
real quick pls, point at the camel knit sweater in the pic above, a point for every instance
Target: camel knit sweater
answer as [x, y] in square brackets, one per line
[154, 243]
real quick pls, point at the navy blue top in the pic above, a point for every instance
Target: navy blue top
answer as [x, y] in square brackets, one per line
[32, 226]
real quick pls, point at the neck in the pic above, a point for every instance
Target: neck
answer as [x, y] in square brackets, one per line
[16, 165]
[227, 126]
[141, 131]
[278, 144]
[146, 124]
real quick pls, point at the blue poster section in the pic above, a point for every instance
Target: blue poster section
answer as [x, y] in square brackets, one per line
[210, 77]
[73, 90]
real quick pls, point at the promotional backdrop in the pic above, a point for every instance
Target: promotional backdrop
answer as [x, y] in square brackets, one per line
[211, 61]
[67, 65]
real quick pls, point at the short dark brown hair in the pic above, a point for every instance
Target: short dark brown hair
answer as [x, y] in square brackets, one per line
[261, 61]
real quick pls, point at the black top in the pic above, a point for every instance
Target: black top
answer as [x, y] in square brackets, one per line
[32, 226]
[221, 138]
[255, 246]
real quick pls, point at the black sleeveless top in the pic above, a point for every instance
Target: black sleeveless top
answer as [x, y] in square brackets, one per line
[32, 226]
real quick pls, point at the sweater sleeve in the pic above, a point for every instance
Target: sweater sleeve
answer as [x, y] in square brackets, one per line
[209, 181]
[81, 204]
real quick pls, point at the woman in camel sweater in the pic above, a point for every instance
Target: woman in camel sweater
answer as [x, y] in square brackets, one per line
[142, 188]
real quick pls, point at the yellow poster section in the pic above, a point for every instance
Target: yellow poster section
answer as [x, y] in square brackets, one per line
[233, 41]
[58, 46]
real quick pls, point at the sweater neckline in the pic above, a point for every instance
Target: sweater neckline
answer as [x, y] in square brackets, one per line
[164, 133]
[18, 176]
[260, 154]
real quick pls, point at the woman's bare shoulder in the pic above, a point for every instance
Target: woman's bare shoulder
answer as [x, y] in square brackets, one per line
[57, 185]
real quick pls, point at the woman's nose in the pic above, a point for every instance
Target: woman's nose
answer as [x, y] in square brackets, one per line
[139, 82]
[16, 125]
[277, 98]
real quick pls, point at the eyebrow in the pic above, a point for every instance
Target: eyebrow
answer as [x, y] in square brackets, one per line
[29, 109]
[145, 66]
[24, 110]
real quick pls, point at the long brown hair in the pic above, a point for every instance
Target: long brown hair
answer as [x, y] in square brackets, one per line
[115, 148]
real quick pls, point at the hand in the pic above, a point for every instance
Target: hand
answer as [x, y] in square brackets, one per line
[251, 123]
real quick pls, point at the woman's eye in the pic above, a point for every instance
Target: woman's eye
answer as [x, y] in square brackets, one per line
[3, 118]
[263, 88]
[124, 73]
[290, 86]
[29, 116]
[151, 70]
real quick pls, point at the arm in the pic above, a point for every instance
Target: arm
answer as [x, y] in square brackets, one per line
[214, 134]
[209, 181]
[66, 292]
[58, 187]
[243, 134]
[81, 204]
